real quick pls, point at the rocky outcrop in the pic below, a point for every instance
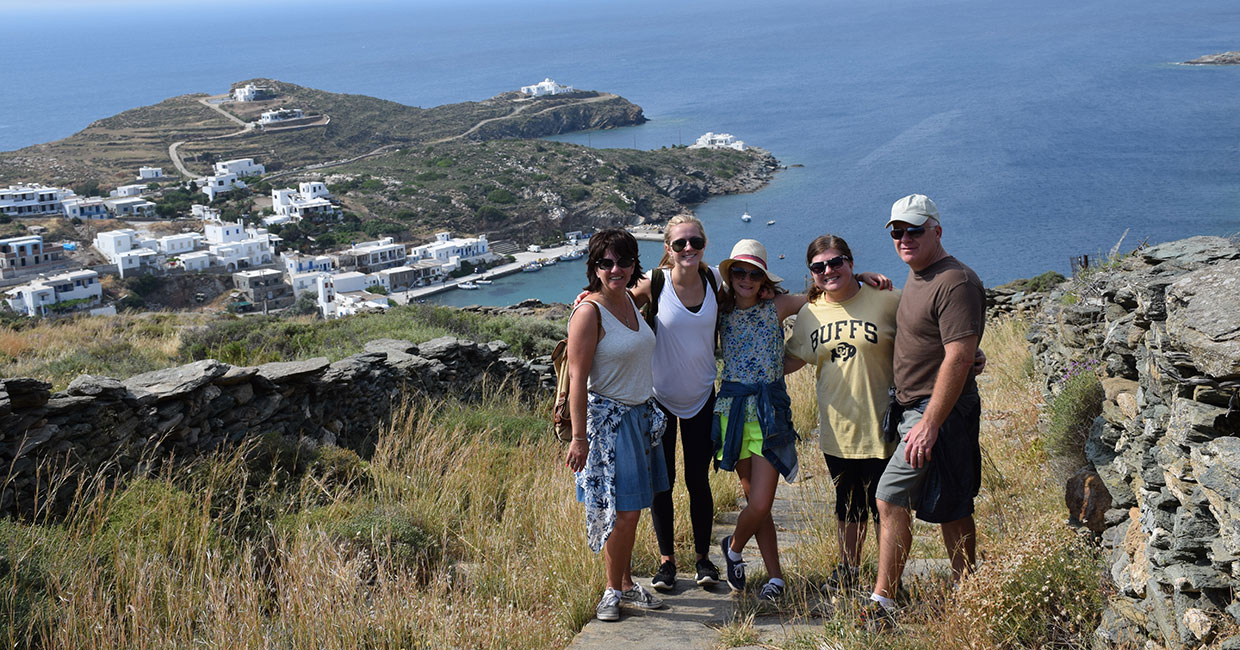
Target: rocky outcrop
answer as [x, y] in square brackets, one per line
[1164, 324]
[101, 423]
[598, 111]
[1226, 58]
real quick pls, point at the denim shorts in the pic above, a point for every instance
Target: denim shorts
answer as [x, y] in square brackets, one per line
[942, 490]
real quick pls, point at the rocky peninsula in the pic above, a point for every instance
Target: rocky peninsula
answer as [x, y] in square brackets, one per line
[1226, 58]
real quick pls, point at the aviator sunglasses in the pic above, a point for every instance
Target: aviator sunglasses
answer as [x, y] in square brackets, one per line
[696, 242]
[913, 231]
[754, 274]
[818, 268]
[624, 262]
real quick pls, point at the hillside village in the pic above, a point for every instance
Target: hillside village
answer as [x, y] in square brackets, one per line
[225, 227]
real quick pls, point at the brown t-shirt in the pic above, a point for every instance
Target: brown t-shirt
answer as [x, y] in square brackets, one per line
[943, 303]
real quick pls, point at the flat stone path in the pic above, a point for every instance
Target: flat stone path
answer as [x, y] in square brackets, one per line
[693, 615]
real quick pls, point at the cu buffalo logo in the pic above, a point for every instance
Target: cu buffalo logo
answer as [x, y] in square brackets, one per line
[843, 352]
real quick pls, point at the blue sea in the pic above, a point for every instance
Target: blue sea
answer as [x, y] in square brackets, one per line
[1042, 130]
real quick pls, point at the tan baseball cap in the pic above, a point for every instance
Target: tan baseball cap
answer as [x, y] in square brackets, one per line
[914, 209]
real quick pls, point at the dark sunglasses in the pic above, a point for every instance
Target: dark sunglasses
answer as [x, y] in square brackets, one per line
[913, 231]
[624, 262]
[696, 242]
[739, 273]
[836, 262]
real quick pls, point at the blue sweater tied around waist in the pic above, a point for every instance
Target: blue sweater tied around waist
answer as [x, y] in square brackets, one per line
[774, 409]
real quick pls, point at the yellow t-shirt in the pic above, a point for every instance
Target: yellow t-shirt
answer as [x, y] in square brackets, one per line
[851, 343]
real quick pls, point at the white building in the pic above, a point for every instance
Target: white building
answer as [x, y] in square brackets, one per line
[718, 141]
[135, 189]
[351, 281]
[204, 212]
[214, 186]
[126, 249]
[249, 93]
[36, 298]
[303, 282]
[196, 261]
[308, 200]
[235, 247]
[335, 302]
[280, 115]
[240, 167]
[130, 206]
[33, 200]
[546, 87]
[371, 256]
[449, 251]
[92, 207]
[295, 263]
[178, 244]
[150, 173]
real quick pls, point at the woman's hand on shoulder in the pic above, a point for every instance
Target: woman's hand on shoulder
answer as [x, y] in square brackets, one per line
[641, 291]
[876, 280]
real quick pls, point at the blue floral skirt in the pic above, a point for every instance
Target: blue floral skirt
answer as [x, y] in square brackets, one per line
[641, 470]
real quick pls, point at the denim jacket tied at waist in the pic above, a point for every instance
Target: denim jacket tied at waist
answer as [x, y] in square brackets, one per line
[774, 409]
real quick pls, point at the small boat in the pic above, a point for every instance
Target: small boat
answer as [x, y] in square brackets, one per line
[483, 281]
[746, 217]
[771, 222]
[575, 254]
[781, 256]
[531, 267]
[467, 285]
[548, 261]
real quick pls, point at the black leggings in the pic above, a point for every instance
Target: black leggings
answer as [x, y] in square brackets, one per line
[856, 482]
[695, 437]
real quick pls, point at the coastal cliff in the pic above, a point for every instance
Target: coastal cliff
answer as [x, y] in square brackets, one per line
[1226, 58]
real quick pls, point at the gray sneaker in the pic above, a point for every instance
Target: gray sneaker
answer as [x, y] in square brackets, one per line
[771, 592]
[637, 596]
[609, 607]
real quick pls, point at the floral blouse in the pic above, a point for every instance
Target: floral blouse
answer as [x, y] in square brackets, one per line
[752, 341]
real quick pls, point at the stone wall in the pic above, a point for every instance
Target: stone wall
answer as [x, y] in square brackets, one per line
[1164, 325]
[100, 422]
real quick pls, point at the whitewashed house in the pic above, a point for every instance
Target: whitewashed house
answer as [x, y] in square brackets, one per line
[303, 282]
[449, 251]
[371, 256]
[214, 186]
[240, 167]
[250, 93]
[36, 298]
[351, 281]
[33, 200]
[150, 173]
[546, 87]
[130, 206]
[177, 244]
[299, 204]
[295, 263]
[204, 212]
[135, 189]
[92, 207]
[280, 115]
[234, 247]
[195, 261]
[718, 141]
[126, 249]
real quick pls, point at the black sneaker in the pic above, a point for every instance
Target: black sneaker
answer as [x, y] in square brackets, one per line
[707, 572]
[843, 578]
[665, 578]
[875, 618]
[736, 570]
[771, 592]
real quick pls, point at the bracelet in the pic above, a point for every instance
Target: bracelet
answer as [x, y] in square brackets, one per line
[576, 439]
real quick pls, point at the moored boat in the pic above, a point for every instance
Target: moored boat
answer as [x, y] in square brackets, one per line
[467, 285]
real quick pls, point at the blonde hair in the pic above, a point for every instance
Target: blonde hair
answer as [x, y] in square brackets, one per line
[666, 262]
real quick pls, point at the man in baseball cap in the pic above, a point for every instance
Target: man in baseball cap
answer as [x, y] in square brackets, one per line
[936, 413]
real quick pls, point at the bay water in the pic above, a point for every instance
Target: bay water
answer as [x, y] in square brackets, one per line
[1042, 130]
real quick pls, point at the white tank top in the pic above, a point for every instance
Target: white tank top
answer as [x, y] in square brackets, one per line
[621, 366]
[684, 354]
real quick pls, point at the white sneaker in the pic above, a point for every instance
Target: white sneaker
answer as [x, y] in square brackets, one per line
[609, 607]
[637, 596]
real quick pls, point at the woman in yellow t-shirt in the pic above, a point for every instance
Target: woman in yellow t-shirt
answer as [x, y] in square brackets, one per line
[847, 329]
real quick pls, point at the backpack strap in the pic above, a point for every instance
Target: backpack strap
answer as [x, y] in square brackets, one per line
[651, 310]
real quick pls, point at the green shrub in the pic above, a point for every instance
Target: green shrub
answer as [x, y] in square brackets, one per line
[31, 559]
[500, 195]
[370, 530]
[1045, 282]
[1072, 413]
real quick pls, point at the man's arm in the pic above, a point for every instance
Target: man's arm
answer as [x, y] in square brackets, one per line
[958, 358]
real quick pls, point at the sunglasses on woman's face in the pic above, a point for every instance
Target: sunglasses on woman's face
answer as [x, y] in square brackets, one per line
[697, 243]
[836, 262]
[754, 274]
[624, 262]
